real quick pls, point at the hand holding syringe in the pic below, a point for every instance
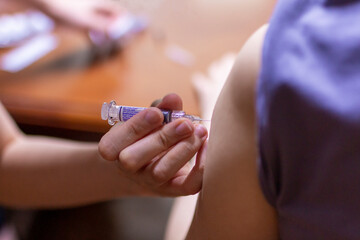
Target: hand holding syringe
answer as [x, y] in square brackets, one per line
[115, 113]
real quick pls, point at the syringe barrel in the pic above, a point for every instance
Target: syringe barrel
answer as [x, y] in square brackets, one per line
[115, 113]
[127, 112]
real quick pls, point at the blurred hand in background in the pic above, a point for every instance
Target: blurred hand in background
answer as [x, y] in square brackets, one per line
[96, 15]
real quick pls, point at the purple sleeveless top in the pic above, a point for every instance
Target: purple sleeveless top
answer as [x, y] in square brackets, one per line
[308, 108]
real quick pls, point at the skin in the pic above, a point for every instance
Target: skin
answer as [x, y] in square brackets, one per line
[231, 204]
[144, 157]
[43, 172]
[87, 15]
[172, 174]
[231, 190]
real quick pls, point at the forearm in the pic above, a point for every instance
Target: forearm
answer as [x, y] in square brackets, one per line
[44, 172]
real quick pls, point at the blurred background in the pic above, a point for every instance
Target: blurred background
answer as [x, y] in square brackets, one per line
[54, 78]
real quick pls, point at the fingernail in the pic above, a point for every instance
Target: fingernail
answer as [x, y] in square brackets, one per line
[183, 128]
[152, 117]
[200, 131]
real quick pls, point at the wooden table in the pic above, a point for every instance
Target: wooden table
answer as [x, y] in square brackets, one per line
[63, 90]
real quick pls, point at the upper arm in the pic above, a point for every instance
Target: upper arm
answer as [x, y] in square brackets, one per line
[231, 204]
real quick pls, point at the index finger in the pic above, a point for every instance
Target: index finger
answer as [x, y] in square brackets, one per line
[122, 135]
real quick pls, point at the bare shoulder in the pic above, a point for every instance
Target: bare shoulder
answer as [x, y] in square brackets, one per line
[245, 71]
[231, 204]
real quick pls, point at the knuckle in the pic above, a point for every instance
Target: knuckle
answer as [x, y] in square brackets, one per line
[164, 139]
[138, 126]
[135, 129]
[107, 150]
[193, 190]
[190, 189]
[189, 147]
[126, 162]
[159, 175]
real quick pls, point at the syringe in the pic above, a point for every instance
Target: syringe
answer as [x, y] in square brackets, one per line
[115, 113]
